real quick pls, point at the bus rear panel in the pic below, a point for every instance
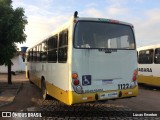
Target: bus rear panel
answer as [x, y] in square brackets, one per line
[104, 61]
[87, 59]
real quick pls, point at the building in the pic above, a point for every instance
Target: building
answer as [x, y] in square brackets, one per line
[18, 65]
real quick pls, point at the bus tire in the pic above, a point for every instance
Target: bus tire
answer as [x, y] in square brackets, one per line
[43, 87]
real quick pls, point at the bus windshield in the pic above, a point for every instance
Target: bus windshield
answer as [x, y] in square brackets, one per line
[103, 35]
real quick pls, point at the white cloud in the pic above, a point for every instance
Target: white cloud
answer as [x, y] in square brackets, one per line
[153, 15]
[91, 5]
[117, 11]
[40, 27]
[41, 22]
[92, 12]
[148, 28]
[36, 30]
[117, 3]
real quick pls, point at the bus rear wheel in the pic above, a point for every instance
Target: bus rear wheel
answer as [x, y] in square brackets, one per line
[44, 90]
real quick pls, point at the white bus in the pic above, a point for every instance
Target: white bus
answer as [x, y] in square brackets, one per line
[149, 65]
[87, 59]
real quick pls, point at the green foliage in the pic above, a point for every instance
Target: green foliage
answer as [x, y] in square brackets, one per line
[12, 27]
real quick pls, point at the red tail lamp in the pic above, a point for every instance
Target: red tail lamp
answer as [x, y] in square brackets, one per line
[76, 82]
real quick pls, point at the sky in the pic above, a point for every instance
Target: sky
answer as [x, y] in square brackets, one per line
[44, 16]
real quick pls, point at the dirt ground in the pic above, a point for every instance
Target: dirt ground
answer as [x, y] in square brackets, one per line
[28, 95]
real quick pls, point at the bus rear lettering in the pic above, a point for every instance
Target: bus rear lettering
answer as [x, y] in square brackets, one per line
[145, 69]
[95, 90]
[123, 86]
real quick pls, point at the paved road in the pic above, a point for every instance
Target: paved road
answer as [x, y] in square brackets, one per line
[147, 100]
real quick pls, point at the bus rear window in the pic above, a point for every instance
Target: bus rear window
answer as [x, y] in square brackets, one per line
[103, 35]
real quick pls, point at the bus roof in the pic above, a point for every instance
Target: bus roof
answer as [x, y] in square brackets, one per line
[103, 20]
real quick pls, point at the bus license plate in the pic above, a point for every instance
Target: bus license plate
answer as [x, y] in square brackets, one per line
[112, 95]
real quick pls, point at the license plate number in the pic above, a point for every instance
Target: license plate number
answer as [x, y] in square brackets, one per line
[112, 95]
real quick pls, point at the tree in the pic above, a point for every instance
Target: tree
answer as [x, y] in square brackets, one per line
[12, 27]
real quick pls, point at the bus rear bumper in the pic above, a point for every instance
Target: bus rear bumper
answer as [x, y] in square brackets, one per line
[107, 95]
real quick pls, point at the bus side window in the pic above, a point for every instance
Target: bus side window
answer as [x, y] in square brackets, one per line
[31, 55]
[52, 49]
[34, 54]
[38, 52]
[44, 51]
[157, 56]
[141, 57]
[145, 56]
[63, 46]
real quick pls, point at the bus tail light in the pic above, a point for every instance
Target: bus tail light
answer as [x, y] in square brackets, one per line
[74, 76]
[76, 82]
[134, 79]
[113, 21]
[135, 74]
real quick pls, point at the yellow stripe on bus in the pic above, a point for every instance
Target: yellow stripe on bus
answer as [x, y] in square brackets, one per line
[151, 80]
